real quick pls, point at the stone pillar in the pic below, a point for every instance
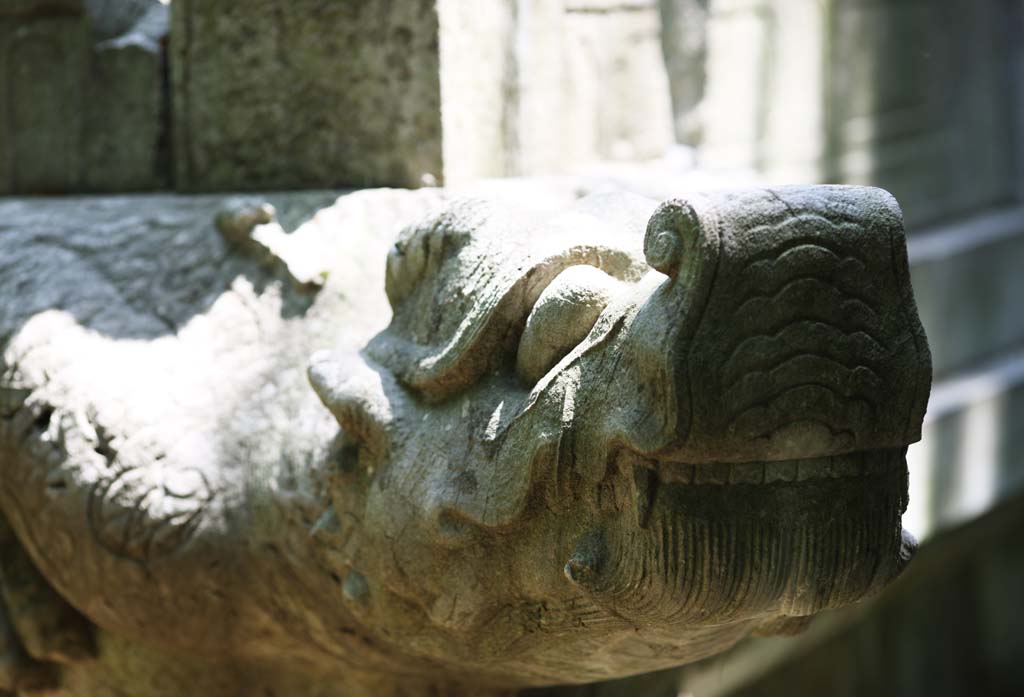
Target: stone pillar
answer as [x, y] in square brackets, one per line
[684, 43]
[764, 105]
[125, 146]
[44, 49]
[476, 67]
[919, 103]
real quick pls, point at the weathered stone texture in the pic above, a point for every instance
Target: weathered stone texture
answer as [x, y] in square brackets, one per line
[85, 109]
[126, 121]
[44, 51]
[457, 495]
[289, 94]
[125, 130]
[950, 627]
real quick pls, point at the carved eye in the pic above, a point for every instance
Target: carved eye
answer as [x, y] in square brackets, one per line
[561, 318]
[422, 249]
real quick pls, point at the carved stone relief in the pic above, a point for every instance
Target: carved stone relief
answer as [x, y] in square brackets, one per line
[502, 450]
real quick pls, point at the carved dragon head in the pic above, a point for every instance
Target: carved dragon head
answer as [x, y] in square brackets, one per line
[624, 438]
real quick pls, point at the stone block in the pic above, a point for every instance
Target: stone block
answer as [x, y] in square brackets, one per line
[280, 94]
[86, 115]
[44, 48]
[125, 136]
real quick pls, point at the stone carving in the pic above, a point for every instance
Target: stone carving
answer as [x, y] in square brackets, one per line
[586, 445]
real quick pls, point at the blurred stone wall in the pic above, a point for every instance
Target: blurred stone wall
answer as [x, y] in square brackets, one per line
[911, 95]
[82, 109]
[301, 93]
[276, 94]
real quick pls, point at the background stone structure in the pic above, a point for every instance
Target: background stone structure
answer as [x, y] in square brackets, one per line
[43, 58]
[291, 94]
[915, 97]
[298, 94]
[82, 96]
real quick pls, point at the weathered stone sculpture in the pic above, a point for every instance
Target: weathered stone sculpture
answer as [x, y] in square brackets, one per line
[589, 445]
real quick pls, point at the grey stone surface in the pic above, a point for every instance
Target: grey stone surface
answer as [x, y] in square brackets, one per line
[305, 94]
[440, 91]
[718, 451]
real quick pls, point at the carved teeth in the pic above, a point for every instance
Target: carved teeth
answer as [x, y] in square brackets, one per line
[747, 473]
[813, 468]
[717, 474]
[851, 465]
[711, 474]
[780, 471]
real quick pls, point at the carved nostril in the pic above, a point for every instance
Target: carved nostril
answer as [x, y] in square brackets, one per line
[588, 560]
[673, 225]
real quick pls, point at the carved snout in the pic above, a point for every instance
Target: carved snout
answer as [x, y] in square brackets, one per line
[364, 399]
[793, 330]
